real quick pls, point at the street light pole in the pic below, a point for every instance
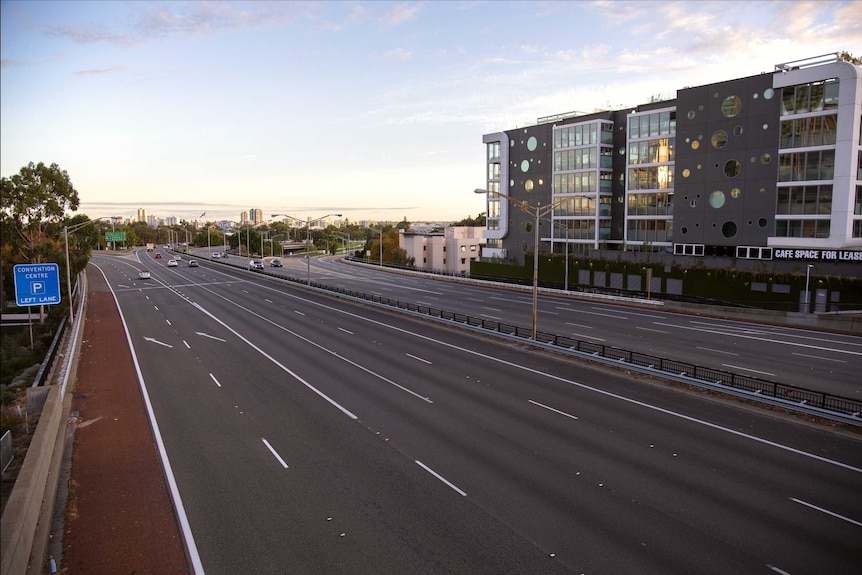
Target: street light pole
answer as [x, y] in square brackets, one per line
[66, 231]
[308, 223]
[538, 211]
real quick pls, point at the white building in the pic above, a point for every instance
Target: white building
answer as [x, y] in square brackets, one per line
[449, 251]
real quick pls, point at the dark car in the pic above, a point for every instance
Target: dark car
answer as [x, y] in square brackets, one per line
[276, 263]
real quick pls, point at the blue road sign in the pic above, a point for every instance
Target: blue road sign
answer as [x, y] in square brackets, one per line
[37, 284]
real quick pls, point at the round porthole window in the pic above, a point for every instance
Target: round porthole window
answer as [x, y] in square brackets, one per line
[732, 168]
[719, 139]
[728, 229]
[532, 142]
[686, 173]
[731, 106]
[528, 185]
[525, 166]
[717, 199]
[768, 93]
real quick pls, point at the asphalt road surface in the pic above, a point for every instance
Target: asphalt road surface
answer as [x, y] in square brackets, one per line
[822, 361]
[310, 435]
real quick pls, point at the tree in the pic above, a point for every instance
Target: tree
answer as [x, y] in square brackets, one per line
[848, 57]
[478, 221]
[32, 201]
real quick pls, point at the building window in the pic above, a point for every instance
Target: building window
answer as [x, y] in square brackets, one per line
[813, 97]
[794, 200]
[857, 228]
[809, 132]
[656, 178]
[653, 124]
[802, 166]
[572, 136]
[463, 248]
[802, 228]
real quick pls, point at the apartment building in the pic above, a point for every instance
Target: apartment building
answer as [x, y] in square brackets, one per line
[763, 167]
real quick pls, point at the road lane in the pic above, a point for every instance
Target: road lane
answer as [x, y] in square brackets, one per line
[587, 495]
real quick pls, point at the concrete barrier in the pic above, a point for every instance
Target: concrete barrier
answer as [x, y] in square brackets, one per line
[18, 524]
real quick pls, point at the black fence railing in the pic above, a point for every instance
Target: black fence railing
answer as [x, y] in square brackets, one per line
[715, 377]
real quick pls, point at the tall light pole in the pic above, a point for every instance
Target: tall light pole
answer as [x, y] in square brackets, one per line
[66, 231]
[807, 277]
[307, 223]
[538, 211]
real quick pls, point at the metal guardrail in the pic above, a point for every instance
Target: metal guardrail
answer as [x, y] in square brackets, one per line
[845, 409]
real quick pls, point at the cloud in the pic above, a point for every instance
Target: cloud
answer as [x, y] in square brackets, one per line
[399, 14]
[110, 70]
[398, 54]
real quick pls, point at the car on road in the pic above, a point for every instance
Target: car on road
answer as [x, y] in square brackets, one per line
[158, 256]
[224, 255]
[255, 265]
[143, 275]
[276, 263]
[216, 255]
[193, 263]
[172, 263]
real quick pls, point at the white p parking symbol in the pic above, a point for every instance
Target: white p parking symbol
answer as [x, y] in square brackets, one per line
[37, 288]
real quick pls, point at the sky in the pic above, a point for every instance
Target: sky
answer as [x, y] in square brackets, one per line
[373, 110]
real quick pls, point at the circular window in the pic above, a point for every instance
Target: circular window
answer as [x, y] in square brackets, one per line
[768, 93]
[765, 158]
[731, 106]
[737, 130]
[734, 193]
[755, 95]
[532, 143]
[541, 182]
[731, 168]
[717, 199]
[690, 115]
[525, 166]
[728, 229]
[695, 145]
[683, 230]
[693, 203]
[622, 151]
[686, 173]
[762, 222]
[511, 183]
[511, 143]
[528, 185]
[765, 126]
[719, 139]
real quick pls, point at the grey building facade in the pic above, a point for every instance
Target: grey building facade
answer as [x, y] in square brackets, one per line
[765, 167]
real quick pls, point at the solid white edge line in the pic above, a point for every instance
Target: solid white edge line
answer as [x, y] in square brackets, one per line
[277, 456]
[777, 570]
[191, 547]
[827, 512]
[215, 380]
[440, 477]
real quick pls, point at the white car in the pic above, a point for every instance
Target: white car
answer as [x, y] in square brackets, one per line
[144, 275]
[172, 263]
[216, 255]
[255, 265]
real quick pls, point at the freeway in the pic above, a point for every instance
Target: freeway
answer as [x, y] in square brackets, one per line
[810, 359]
[311, 435]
